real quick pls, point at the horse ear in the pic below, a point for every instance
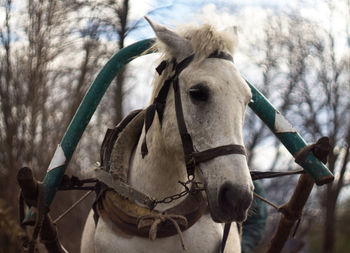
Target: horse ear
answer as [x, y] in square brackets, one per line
[178, 46]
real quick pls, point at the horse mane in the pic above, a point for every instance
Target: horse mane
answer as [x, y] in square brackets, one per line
[205, 39]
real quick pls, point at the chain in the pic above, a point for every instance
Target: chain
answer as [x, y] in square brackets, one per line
[195, 188]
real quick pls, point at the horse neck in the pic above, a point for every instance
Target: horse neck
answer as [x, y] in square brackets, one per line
[158, 173]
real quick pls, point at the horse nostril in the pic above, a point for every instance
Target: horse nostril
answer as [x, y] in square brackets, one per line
[233, 198]
[226, 196]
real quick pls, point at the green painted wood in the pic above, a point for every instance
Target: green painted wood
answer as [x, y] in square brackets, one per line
[87, 108]
[291, 140]
[84, 113]
[260, 106]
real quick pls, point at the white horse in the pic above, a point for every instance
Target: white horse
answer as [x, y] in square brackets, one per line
[214, 98]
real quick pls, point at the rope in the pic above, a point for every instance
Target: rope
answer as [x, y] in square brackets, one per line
[157, 219]
[266, 201]
[178, 232]
[72, 207]
[278, 209]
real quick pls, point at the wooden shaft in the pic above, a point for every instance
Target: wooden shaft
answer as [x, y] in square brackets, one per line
[48, 232]
[291, 212]
[28, 185]
[48, 236]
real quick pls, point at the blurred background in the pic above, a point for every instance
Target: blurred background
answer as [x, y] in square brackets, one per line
[296, 52]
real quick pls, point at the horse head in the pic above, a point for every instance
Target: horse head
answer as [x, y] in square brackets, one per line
[213, 99]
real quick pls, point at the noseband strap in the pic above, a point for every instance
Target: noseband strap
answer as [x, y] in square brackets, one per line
[192, 157]
[211, 153]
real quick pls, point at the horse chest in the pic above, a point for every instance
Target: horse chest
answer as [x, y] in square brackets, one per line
[203, 237]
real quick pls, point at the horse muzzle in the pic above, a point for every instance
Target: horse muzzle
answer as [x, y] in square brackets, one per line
[229, 203]
[229, 191]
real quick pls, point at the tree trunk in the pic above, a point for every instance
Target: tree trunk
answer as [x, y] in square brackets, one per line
[118, 96]
[122, 14]
[329, 229]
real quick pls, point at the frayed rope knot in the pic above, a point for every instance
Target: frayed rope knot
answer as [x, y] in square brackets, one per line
[154, 220]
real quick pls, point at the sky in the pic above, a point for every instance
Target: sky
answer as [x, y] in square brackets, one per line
[182, 11]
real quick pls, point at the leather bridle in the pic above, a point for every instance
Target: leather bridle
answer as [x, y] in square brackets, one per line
[192, 157]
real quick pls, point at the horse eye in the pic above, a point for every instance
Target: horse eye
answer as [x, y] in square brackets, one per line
[199, 92]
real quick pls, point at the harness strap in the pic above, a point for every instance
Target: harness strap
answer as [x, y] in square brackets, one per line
[124, 189]
[159, 101]
[158, 105]
[225, 236]
[150, 111]
[183, 64]
[211, 153]
[161, 67]
[186, 138]
[221, 55]
[141, 221]
[257, 175]
[191, 157]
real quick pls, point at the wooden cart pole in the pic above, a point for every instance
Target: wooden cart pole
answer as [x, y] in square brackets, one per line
[289, 137]
[291, 212]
